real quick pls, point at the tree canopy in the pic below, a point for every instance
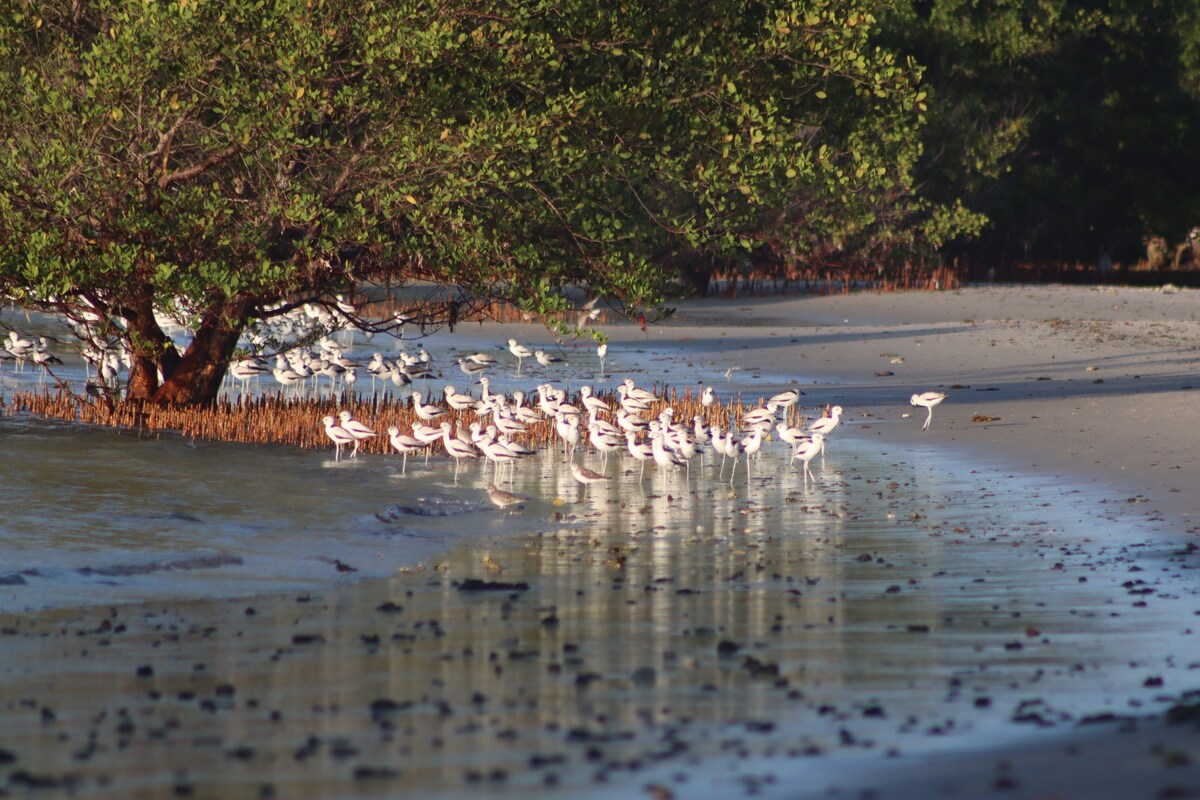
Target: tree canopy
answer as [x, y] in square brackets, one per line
[218, 161]
[1070, 126]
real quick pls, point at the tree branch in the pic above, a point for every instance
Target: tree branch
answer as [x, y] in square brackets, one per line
[186, 173]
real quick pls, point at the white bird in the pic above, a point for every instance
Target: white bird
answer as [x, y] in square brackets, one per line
[405, 445]
[545, 359]
[358, 430]
[427, 435]
[587, 314]
[664, 458]
[285, 375]
[456, 448]
[338, 435]
[727, 445]
[520, 351]
[604, 442]
[706, 397]
[927, 401]
[18, 347]
[791, 435]
[483, 359]
[457, 400]
[586, 476]
[426, 411]
[786, 399]
[641, 451]
[522, 413]
[343, 305]
[806, 450]
[750, 446]
[497, 451]
[567, 428]
[760, 415]
[631, 423]
[471, 368]
[508, 426]
[825, 425]
[636, 393]
[591, 402]
[42, 356]
[601, 352]
[377, 366]
[630, 404]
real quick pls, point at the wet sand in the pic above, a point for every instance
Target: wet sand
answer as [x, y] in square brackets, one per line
[412, 685]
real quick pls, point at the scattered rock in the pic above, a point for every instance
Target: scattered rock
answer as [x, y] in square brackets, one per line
[477, 585]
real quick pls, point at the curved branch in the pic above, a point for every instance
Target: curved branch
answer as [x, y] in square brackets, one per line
[186, 173]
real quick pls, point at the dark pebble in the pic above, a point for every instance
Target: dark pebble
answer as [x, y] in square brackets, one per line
[727, 648]
[644, 676]
[308, 638]
[476, 585]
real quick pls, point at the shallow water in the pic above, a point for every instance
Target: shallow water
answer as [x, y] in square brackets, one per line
[690, 632]
[94, 517]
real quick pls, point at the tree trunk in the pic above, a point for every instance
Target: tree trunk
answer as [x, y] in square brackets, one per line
[150, 348]
[143, 378]
[197, 378]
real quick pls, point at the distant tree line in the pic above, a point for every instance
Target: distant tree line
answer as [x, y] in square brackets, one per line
[1073, 126]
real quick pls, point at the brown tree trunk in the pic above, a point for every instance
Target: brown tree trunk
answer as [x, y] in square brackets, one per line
[196, 380]
[150, 349]
[143, 379]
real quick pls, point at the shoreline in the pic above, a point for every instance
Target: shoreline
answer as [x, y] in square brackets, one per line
[1105, 396]
[595, 713]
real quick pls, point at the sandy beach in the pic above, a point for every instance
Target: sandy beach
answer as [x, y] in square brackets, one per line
[576, 660]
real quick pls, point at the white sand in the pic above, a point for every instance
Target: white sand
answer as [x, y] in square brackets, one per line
[1091, 383]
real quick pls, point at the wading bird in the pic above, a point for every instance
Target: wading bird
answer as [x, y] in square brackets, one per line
[927, 401]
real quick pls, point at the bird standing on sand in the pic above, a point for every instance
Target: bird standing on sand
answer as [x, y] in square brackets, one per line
[503, 499]
[927, 401]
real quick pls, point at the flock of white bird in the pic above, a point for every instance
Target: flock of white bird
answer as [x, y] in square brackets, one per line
[22, 350]
[621, 427]
[617, 427]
